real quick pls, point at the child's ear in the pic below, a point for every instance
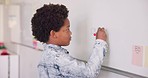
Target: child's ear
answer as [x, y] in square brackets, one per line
[53, 33]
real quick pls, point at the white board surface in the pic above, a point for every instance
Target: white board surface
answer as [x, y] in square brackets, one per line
[126, 23]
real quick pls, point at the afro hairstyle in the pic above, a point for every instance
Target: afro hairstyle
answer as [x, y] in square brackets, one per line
[47, 18]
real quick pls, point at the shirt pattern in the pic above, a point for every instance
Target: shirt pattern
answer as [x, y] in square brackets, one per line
[57, 63]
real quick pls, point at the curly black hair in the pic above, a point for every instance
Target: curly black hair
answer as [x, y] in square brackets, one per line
[47, 18]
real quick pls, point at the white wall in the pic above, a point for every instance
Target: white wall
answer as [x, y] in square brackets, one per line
[1, 23]
[7, 31]
[14, 23]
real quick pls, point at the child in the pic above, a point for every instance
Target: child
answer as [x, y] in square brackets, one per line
[51, 26]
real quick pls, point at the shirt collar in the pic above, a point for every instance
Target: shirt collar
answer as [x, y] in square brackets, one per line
[56, 47]
[51, 46]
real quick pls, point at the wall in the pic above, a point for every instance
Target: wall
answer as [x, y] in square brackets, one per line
[1, 23]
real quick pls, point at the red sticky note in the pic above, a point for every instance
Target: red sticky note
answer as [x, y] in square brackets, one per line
[137, 55]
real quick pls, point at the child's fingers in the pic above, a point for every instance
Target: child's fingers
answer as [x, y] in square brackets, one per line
[99, 28]
[103, 28]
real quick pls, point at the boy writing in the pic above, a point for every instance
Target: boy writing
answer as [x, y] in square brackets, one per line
[51, 26]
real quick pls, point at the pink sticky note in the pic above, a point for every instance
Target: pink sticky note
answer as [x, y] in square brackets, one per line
[137, 55]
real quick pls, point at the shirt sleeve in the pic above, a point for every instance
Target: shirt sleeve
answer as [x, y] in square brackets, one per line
[93, 65]
[90, 69]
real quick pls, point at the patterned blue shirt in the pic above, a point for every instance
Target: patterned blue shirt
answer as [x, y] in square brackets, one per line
[57, 63]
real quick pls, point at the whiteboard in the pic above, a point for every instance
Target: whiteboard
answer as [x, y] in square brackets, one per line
[126, 23]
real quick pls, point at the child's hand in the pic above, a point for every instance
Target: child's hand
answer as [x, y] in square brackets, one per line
[101, 34]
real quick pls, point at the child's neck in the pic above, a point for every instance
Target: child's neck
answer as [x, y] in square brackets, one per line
[52, 42]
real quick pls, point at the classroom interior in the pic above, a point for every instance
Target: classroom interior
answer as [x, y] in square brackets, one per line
[126, 23]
